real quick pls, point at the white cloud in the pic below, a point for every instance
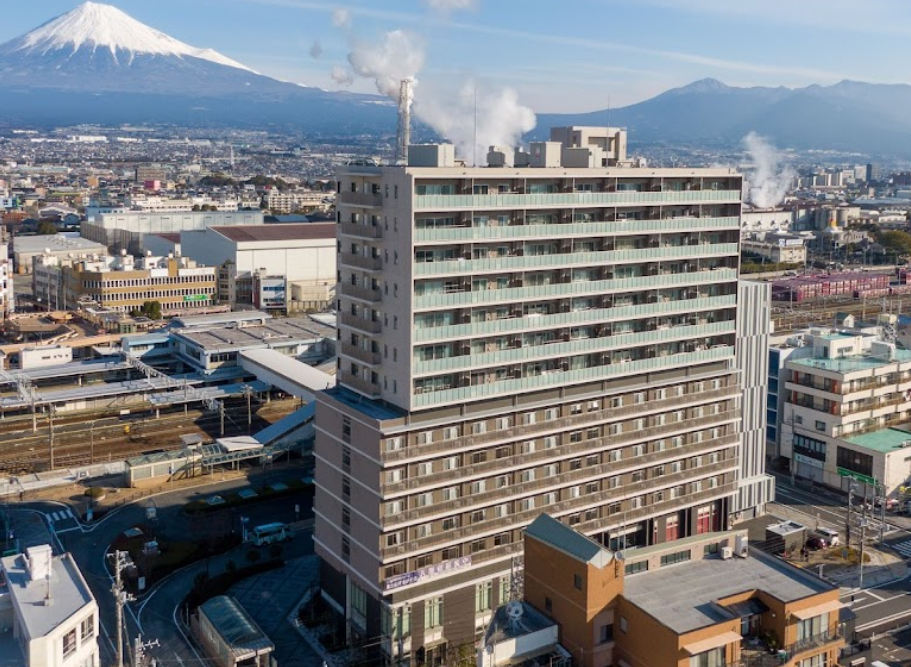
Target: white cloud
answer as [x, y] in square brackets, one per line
[341, 17]
[342, 76]
[447, 6]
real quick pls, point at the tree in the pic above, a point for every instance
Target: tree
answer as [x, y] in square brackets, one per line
[45, 228]
[150, 309]
[896, 242]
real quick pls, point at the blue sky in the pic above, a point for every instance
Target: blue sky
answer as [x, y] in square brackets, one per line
[572, 55]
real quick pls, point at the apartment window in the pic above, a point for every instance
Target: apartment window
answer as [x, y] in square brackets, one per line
[529, 418]
[550, 498]
[712, 658]
[551, 414]
[88, 628]
[527, 504]
[528, 447]
[504, 590]
[346, 549]
[478, 516]
[394, 507]
[551, 469]
[613, 455]
[548, 604]
[452, 553]
[425, 437]
[346, 488]
[450, 523]
[483, 597]
[478, 546]
[451, 463]
[503, 452]
[575, 409]
[69, 643]
[575, 491]
[577, 581]
[424, 499]
[395, 475]
[479, 427]
[394, 444]
[501, 511]
[639, 397]
[502, 481]
[451, 433]
[820, 425]
[623, 625]
[633, 568]
[503, 423]
[616, 402]
[346, 518]
[478, 457]
[677, 557]
[394, 539]
[638, 450]
[433, 612]
[423, 561]
[550, 442]
[450, 493]
[594, 406]
[502, 539]
[425, 468]
[423, 530]
[575, 436]
[614, 482]
[478, 487]
[606, 633]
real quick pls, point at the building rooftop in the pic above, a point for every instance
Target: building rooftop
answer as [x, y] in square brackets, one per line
[560, 536]
[861, 362]
[68, 591]
[239, 631]
[57, 243]
[171, 237]
[684, 597]
[501, 628]
[886, 440]
[283, 232]
[214, 319]
[271, 334]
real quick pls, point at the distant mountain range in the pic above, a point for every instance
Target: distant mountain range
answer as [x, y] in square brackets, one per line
[96, 64]
[849, 116]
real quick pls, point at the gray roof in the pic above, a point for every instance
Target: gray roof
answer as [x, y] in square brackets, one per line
[560, 536]
[683, 596]
[69, 593]
[56, 243]
[236, 627]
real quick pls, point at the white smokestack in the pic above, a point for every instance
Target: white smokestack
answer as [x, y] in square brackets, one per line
[768, 180]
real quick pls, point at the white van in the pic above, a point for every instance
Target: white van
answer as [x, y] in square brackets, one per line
[830, 535]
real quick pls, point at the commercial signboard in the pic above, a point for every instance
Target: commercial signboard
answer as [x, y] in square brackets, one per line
[429, 572]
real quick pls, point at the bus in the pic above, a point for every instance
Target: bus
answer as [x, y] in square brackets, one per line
[269, 533]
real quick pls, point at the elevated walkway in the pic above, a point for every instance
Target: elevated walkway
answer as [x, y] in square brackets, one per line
[286, 373]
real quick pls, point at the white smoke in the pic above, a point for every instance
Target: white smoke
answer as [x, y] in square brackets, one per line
[399, 56]
[501, 120]
[341, 17]
[342, 76]
[769, 178]
[447, 6]
[316, 50]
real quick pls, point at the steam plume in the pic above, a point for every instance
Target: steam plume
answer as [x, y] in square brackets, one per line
[342, 76]
[341, 17]
[316, 50]
[768, 180]
[501, 120]
[399, 56]
[447, 6]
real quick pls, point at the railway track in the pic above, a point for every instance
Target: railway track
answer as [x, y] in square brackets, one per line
[86, 439]
[791, 317]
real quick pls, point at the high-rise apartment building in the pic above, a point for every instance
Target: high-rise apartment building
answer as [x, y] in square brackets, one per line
[553, 336]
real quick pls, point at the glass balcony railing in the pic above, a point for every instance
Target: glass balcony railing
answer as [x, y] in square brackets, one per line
[550, 200]
[560, 379]
[570, 259]
[577, 318]
[561, 290]
[583, 229]
[571, 348]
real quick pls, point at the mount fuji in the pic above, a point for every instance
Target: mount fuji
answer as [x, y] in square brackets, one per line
[96, 64]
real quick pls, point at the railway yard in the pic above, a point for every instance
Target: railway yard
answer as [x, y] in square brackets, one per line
[791, 317]
[95, 436]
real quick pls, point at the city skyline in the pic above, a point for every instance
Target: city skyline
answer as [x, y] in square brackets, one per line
[551, 59]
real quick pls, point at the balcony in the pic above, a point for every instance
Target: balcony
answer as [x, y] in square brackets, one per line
[566, 290]
[584, 199]
[353, 351]
[801, 649]
[361, 231]
[362, 199]
[478, 440]
[361, 293]
[466, 504]
[573, 229]
[571, 259]
[570, 477]
[362, 386]
[360, 262]
[361, 324]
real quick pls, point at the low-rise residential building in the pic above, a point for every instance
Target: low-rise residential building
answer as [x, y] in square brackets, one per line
[703, 600]
[292, 202]
[48, 614]
[846, 410]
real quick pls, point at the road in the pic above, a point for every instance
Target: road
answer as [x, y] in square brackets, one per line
[878, 608]
[153, 615]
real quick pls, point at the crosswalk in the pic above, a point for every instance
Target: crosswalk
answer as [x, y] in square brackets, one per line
[62, 515]
[904, 548]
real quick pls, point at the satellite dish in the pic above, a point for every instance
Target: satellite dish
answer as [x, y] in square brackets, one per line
[620, 556]
[514, 610]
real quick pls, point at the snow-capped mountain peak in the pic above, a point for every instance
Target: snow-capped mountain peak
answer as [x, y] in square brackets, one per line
[94, 26]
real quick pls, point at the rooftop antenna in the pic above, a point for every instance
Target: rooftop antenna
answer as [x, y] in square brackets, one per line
[403, 132]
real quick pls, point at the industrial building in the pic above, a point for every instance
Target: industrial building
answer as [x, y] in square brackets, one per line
[801, 288]
[559, 334]
[289, 267]
[126, 230]
[26, 248]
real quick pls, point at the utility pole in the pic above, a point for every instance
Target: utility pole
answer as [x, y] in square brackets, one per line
[221, 412]
[50, 421]
[121, 597]
[848, 520]
[863, 534]
[248, 392]
[139, 649]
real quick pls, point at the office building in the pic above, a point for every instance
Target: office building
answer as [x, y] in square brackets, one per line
[557, 334]
[123, 283]
[48, 614]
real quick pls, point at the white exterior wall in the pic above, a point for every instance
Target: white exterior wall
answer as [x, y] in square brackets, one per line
[47, 651]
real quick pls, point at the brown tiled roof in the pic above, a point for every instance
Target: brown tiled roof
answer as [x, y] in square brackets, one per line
[170, 237]
[291, 232]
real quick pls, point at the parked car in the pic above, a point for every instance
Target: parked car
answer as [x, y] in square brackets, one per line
[829, 535]
[816, 543]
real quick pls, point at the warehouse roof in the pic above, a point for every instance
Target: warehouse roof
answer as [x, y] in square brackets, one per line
[288, 232]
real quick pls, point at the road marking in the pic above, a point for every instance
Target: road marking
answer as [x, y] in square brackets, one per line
[904, 548]
[883, 621]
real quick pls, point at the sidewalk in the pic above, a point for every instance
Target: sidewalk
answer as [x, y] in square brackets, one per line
[883, 567]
